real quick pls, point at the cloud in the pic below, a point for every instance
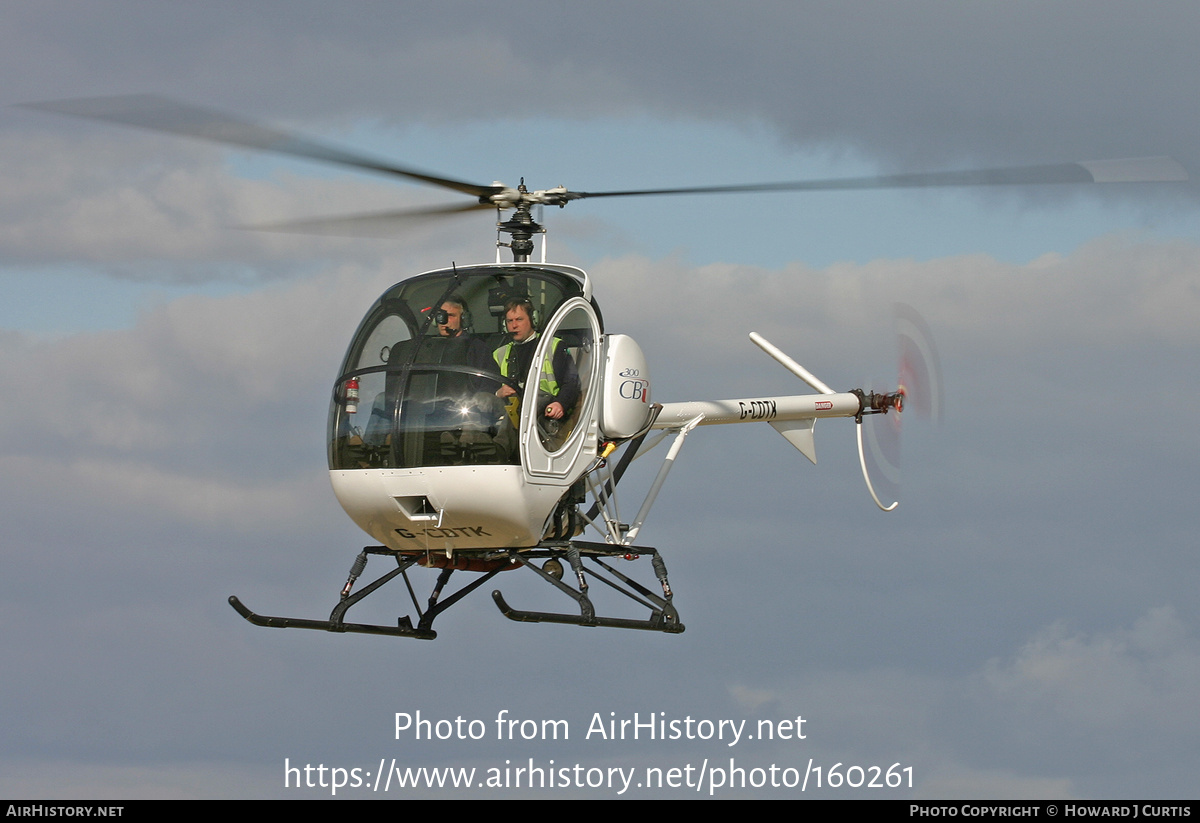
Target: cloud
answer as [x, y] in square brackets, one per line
[1069, 714]
[998, 84]
[967, 784]
[80, 780]
[1133, 684]
[207, 410]
[153, 209]
[1114, 292]
[249, 505]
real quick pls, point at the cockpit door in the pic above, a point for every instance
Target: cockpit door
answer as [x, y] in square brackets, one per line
[566, 371]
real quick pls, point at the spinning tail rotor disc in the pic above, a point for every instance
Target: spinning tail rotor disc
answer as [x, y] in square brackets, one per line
[920, 369]
[920, 383]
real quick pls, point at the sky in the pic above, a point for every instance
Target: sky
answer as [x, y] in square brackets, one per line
[1024, 625]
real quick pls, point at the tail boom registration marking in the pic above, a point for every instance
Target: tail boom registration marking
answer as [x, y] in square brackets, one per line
[773, 409]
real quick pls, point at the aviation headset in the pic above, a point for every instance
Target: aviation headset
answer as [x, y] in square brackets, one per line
[527, 304]
[441, 317]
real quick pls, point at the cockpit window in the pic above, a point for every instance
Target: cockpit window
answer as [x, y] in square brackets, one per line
[421, 390]
[388, 333]
[561, 393]
[447, 416]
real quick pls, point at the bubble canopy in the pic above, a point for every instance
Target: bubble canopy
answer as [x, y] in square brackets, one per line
[415, 391]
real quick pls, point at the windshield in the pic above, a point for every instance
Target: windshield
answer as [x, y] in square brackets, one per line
[421, 384]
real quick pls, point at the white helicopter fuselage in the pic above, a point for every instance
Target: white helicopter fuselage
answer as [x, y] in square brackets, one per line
[434, 461]
[425, 457]
[447, 508]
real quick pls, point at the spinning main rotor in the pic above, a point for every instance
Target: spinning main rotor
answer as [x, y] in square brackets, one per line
[164, 115]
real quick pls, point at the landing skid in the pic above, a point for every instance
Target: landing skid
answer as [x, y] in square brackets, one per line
[403, 629]
[663, 616]
[404, 626]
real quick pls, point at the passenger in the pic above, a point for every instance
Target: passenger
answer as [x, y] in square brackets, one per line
[558, 388]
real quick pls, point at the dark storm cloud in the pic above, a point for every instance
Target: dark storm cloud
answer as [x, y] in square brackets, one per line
[912, 86]
[924, 84]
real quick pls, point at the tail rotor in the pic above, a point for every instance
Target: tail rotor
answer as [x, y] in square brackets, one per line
[919, 390]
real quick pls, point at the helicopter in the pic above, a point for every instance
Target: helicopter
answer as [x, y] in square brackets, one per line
[483, 416]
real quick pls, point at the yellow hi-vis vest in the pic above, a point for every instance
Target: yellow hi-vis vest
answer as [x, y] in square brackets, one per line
[547, 384]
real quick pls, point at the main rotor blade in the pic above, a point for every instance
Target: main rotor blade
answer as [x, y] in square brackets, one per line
[1129, 170]
[160, 114]
[370, 224]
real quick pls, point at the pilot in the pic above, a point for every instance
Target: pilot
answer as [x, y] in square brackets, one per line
[449, 317]
[477, 433]
[450, 324]
[558, 389]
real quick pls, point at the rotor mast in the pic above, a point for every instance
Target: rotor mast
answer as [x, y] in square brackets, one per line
[521, 226]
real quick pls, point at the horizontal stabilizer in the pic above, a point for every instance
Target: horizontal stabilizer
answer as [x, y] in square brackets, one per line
[800, 434]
